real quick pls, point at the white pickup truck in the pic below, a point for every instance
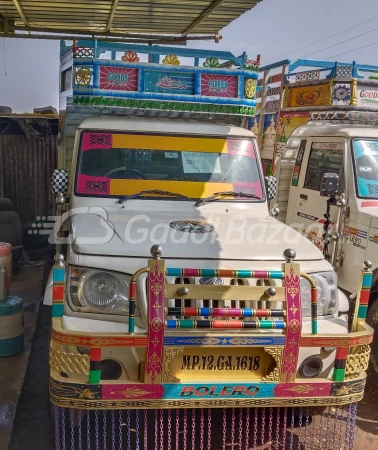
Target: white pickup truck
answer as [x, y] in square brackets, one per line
[335, 135]
[249, 288]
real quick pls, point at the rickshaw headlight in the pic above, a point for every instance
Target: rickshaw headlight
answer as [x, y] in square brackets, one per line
[97, 290]
[326, 286]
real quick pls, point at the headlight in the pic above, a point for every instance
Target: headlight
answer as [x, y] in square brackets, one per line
[326, 285]
[98, 290]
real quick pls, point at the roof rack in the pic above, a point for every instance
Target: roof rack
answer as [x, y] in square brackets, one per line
[152, 77]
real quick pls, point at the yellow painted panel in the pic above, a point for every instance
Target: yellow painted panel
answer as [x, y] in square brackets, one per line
[190, 189]
[143, 141]
[220, 364]
[309, 96]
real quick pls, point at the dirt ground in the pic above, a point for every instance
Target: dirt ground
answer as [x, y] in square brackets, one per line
[32, 428]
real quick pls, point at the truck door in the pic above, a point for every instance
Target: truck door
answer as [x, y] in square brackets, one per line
[307, 209]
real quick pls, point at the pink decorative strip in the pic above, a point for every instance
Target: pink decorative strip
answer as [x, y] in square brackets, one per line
[302, 390]
[190, 272]
[132, 391]
[92, 141]
[93, 185]
[240, 147]
[294, 324]
[260, 274]
[154, 358]
[368, 204]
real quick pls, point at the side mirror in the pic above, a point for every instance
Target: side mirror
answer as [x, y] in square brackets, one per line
[59, 181]
[329, 185]
[270, 187]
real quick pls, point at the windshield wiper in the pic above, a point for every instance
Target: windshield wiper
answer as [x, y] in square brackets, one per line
[202, 201]
[152, 191]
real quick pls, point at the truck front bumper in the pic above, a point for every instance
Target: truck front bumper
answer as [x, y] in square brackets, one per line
[74, 382]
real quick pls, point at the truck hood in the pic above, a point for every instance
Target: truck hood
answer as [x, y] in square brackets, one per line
[195, 234]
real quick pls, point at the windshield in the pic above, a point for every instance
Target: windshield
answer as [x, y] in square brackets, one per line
[365, 152]
[121, 164]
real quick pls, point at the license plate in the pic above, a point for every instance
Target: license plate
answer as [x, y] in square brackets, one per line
[221, 364]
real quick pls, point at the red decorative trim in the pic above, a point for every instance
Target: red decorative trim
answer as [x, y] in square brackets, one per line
[133, 289]
[339, 341]
[296, 390]
[364, 296]
[95, 354]
[132, 391]
[58, 294]
[342, 353]
[88, 341]
[367, 204]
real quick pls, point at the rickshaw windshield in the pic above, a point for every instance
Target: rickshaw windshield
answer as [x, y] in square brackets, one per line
[120, 164]
[365, 154]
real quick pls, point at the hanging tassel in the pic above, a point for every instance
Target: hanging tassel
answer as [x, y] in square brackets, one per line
[209, 416]
[156, 429]
[255, 429]
[224, 430]
[237, 429]
[185, 427]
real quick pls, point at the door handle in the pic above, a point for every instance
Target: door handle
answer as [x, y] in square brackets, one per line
[303, 196]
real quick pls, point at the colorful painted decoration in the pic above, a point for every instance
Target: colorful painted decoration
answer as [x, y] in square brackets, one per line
[250, 88]
[169, 82]
[211, 62]
[130, 56]
[166, 106]
[344, 71]
[172, 60]
[308, 76]
[83, 52]
[118, 78]
[341, 93]
[252, 65]
[83, 76]
[125, 82]
[214, 85]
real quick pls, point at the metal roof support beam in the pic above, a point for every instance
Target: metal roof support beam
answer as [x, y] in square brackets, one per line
[111, 15]
[203, 16]
[21, 12]
[180, 40]
[70, 37]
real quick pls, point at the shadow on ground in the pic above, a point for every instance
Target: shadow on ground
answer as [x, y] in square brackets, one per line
[32, 427]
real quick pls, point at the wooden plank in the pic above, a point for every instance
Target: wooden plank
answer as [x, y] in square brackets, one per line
[214, 292]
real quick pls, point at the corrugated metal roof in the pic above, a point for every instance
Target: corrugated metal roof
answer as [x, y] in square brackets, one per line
[115, 17]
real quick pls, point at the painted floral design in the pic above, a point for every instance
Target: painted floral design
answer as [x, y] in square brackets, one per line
[211, 62]
[341, 93]
[171, 59]
[130, 56]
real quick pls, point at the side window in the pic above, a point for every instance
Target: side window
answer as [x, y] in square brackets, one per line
[324, 157]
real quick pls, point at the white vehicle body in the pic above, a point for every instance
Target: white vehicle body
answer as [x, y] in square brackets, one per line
[245, 237]
[304, 207]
